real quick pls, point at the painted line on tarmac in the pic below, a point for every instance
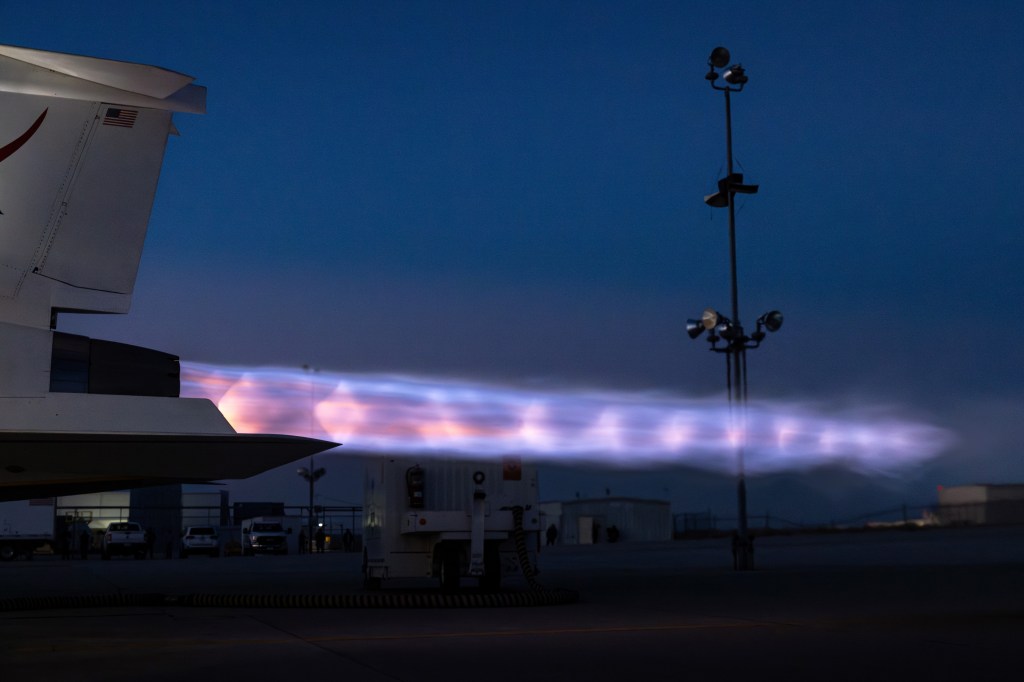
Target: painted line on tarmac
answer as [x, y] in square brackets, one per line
[95, 645]
[541, 632]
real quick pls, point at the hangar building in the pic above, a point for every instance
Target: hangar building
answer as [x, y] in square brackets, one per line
[981, 504]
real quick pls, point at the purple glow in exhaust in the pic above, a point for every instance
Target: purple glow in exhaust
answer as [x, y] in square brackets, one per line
[413, 415]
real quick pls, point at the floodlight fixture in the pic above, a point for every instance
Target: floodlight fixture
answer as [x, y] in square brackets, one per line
[715, 324]
[307, 475]
[709, 318]
[736, 75]
[730, 184]
[694, 328]
[728, 331]
[771, 320]
[719, 199]
[719, 57]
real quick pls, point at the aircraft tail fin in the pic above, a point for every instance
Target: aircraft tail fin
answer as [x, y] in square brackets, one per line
[81, 145]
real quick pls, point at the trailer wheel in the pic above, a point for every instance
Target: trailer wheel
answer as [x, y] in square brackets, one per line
[370, 583]
[449, 569]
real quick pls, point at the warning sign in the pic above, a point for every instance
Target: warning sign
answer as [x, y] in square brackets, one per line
[512, 468]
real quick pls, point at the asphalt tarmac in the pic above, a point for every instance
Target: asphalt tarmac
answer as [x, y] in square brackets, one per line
[894, 605]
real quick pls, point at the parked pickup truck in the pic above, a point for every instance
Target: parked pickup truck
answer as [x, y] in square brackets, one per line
[124, 537]
[266, 535]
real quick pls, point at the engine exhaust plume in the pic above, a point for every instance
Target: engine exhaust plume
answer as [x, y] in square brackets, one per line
[386, 414]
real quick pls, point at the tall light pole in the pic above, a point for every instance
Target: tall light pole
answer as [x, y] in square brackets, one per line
[312, 474]
[721, 328]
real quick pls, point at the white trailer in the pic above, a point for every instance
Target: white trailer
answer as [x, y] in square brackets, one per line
[24, 528]
[446, 519]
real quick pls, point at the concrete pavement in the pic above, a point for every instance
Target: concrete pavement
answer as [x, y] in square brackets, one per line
[935, 605]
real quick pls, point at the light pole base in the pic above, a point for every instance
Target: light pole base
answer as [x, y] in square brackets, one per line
[742, 553]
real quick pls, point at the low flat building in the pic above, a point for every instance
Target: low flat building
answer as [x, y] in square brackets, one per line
[614, 519]
[981, 504]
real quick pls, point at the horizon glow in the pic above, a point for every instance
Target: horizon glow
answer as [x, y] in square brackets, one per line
[405, 415]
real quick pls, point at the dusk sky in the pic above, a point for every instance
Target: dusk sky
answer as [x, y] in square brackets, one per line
[511, 193]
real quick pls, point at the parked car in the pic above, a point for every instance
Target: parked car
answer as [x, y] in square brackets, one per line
[200, 540]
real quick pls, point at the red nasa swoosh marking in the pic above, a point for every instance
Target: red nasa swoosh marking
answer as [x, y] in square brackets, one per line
[15, 145]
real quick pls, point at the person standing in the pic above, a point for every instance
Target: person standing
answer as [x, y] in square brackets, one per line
[346, 540]
[320, 540]
[552, 535]
[84, 543]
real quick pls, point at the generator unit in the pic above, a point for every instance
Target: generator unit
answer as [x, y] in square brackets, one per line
[449, 519]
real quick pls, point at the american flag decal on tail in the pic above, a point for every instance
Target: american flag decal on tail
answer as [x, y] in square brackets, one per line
[124, 118]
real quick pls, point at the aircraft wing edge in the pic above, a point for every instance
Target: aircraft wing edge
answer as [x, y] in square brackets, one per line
[54, 464]
[152, 81]
[21, 77]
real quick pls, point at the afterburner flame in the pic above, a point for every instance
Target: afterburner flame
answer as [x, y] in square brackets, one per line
[414, 415]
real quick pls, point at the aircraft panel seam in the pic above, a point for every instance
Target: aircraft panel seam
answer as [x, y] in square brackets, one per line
[64, 192]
